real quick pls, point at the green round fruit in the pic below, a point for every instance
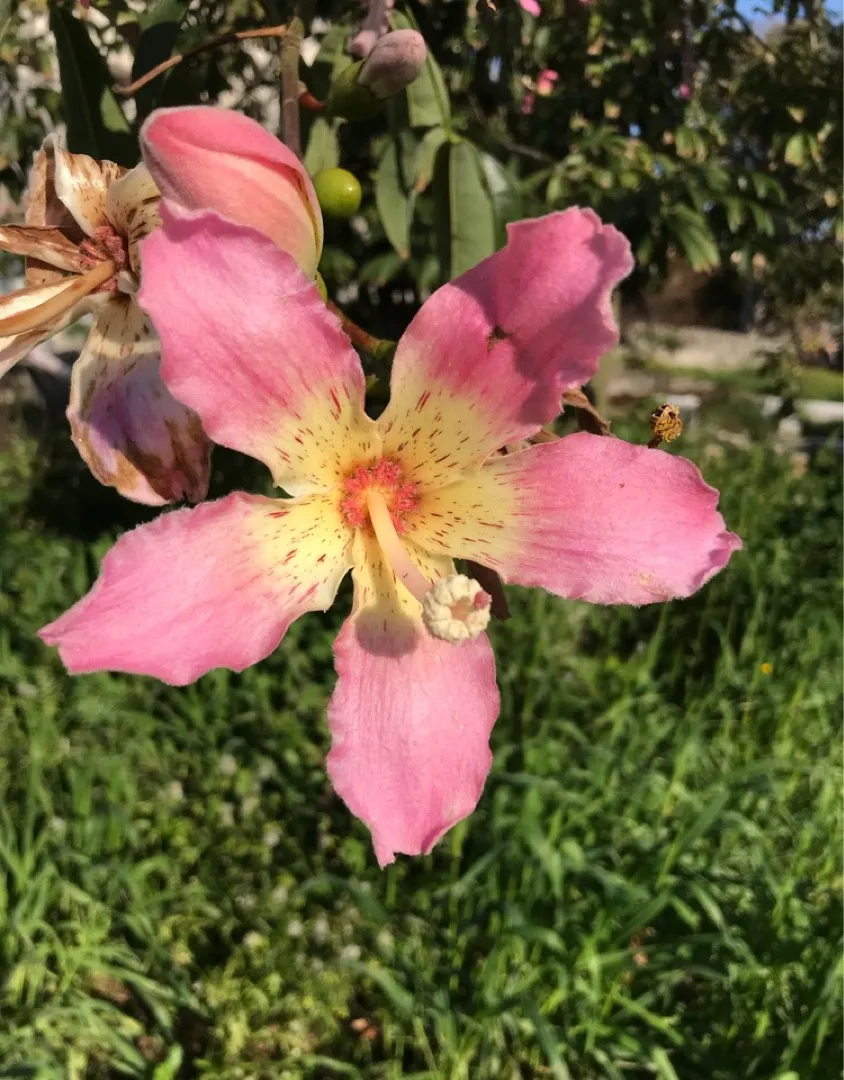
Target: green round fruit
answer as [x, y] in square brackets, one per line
[338, 191]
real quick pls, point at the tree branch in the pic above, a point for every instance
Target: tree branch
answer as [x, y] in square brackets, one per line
[212, 43]
[290, 46]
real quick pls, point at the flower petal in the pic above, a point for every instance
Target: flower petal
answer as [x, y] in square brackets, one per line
[132, 208]
[129, 429]
[82, 183]
[586, 517]
[485, 360]
[45, 243]
[214, 586]
[44, 309]
[207, 158]
[43, 206]
[17, 346]
[249, 345]
[410, 717]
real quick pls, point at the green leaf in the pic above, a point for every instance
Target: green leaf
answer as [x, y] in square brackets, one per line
[169, 1068]
[762, 220]
[505, 196]
[159, 30]
[548, 1042]
[662, 1064]
[693, 236]
[465, 218]
[426, 154]
[735, 212]
[427, 96]
[95, 122]
[323, 149]
[796, 149]
[394, 197]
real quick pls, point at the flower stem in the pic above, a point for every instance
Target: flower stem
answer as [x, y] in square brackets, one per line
[377, 347]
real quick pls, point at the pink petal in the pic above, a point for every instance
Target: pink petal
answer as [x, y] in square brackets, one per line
[205, 158]
[249, 345]
[130, 430]
[531, 7]
[410, 719]
[215, 586]
[586, 517]
[490, 353]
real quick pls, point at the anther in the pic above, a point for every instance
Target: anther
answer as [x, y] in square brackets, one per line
[456, 609]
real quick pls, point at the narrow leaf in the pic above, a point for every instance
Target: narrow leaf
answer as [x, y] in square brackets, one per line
[95, 122]
[465, 214]
[393, 196]
[323, 149]
[159, 30]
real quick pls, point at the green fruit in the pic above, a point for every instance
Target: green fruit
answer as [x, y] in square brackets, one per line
[339, 192]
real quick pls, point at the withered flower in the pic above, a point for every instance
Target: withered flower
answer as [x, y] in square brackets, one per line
[84, 223]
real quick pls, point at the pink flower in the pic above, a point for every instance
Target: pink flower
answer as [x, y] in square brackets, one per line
[531, 7]
[528, 103]
[208, 158]
[685, 91]
[546, 81]
[483, 364]
[85, 220]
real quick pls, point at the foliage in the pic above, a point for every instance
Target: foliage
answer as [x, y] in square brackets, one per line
[650, 887]
[688, 127]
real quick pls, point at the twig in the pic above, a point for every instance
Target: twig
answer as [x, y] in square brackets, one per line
[212, 43]
[359, 337]
[290, 46]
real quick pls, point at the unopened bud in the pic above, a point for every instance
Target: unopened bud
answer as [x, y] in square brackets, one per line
[359, 91]
[394, 63]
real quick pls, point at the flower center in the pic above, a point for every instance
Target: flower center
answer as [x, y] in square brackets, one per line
[105, 244]
[455, 608]
[387, 479]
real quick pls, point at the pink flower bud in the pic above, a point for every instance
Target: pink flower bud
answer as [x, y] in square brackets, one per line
[394, 63]
[205, 158]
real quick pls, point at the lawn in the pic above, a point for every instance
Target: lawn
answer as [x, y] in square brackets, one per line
[651, 886]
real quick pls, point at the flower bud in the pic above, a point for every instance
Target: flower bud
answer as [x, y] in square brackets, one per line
[360, 89]
[338, 191]
[394, 63]
[207, 158]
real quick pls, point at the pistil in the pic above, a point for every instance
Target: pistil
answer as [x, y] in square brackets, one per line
[385, 532]
[455, 608]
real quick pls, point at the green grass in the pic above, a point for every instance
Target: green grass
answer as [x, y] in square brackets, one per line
[812, 383]
[651, 886]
